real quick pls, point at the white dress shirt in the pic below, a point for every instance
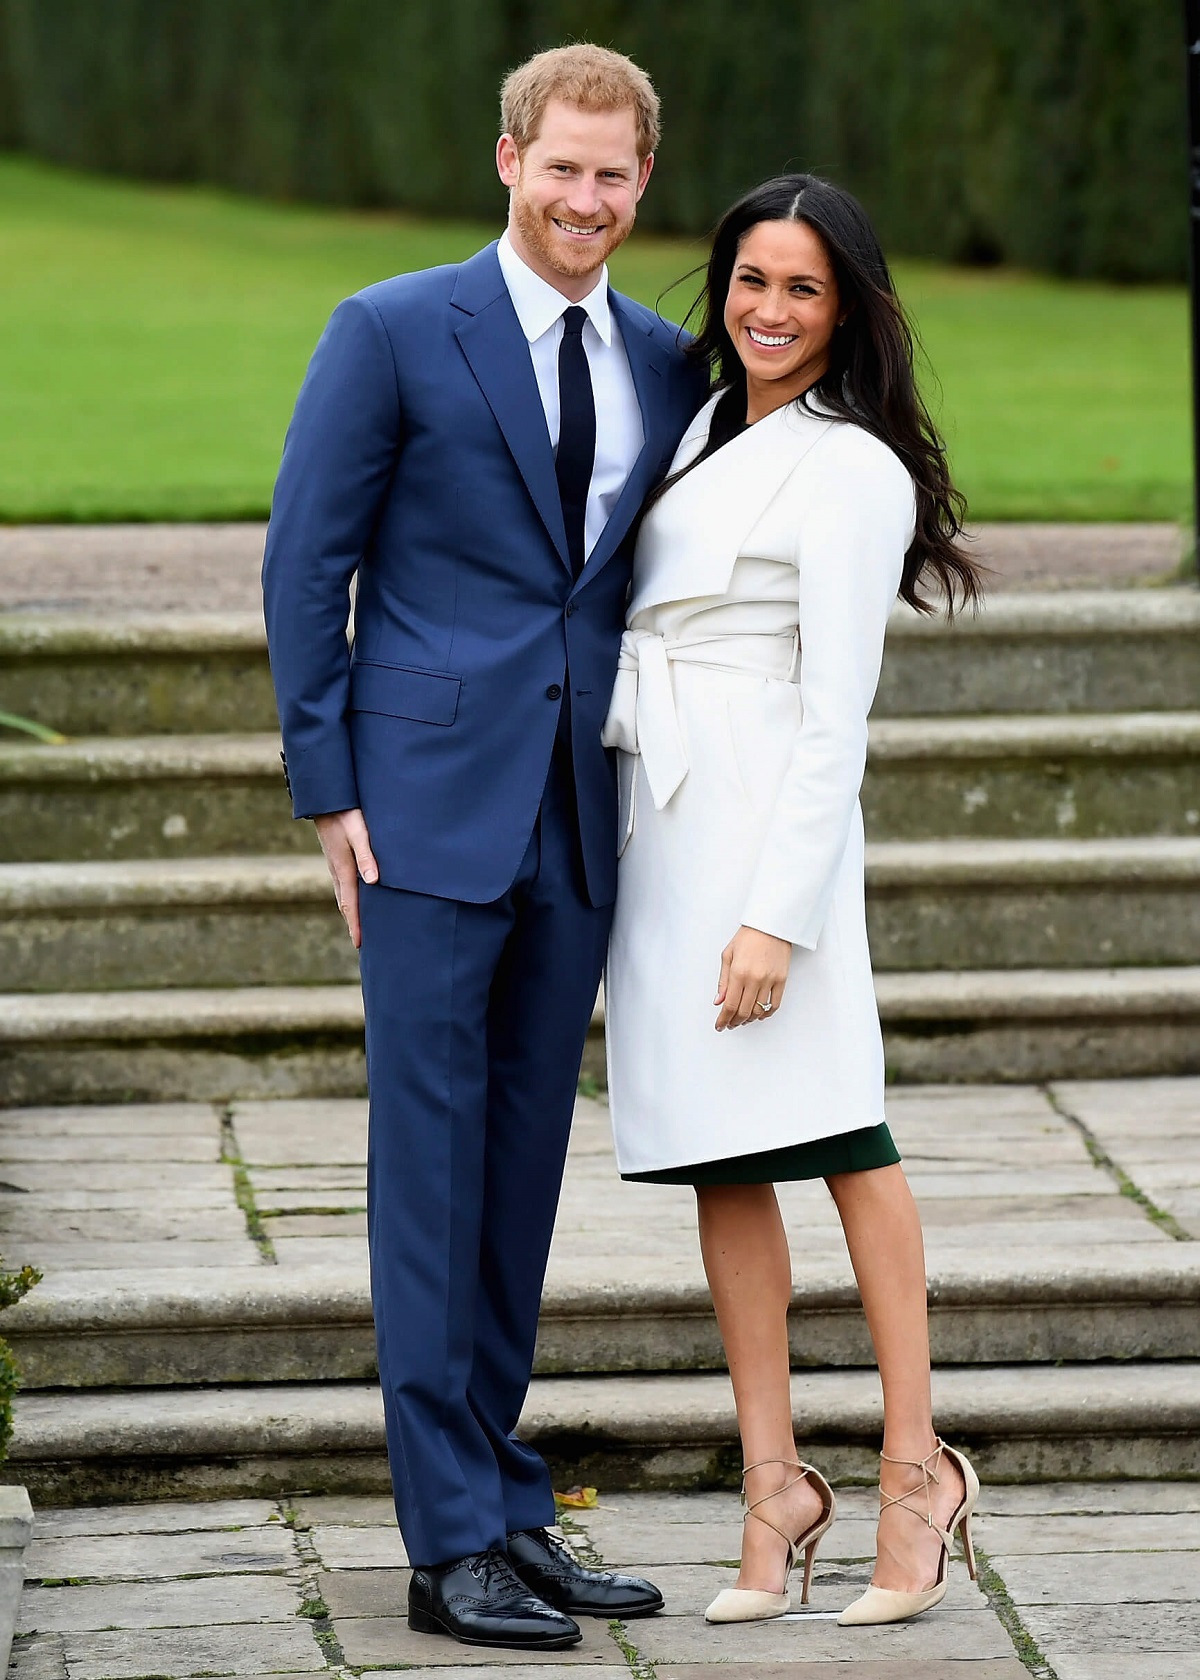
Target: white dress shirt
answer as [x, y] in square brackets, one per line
[619, 435]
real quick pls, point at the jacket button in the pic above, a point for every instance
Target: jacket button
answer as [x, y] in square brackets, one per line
[570, 608]
[554, 692]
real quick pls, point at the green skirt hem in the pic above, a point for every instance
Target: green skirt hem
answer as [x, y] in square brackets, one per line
[859, 1151]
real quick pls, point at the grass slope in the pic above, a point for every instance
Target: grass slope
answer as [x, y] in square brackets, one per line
[153, 340]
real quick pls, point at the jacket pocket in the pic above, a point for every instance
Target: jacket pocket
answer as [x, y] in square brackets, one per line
[404, 692]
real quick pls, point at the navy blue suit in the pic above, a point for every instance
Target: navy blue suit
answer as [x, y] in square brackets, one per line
[466, 724]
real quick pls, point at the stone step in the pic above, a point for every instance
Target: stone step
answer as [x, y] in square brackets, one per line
[279, 1324]
[278, 1041]
[151, 796]
[1076, 777]
[145, 673]
[1070, 777]
[271, 919]
[137, 673]
[1019, 1423]
[968, 904]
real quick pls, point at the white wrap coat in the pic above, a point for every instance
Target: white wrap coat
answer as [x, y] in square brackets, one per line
[761, 592]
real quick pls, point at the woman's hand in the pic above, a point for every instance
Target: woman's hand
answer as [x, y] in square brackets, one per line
[754, 971]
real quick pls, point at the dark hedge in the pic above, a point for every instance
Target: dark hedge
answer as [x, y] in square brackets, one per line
[1048, 133]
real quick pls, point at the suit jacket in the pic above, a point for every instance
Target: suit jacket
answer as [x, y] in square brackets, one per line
[418, 457]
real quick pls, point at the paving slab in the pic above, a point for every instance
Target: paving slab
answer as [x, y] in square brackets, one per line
[243, 1648]
[124, 1225]
[1130, 1577]
[320, 1251]
[116, 1119]
[158, 1604]
[351, 1548]
[182, 1253]
[286, 1225]
[174, 1518]
[132, 1557]
[272, 1202]
[133, 1146]
[342, 1510]
[388, 1642]
[1093, 1498]
[117, 1175]
[268, 1181]
[803, 1639]
[1013, 1537]
[352, 1591]
[951, 1668]
[83, 1201]
[559, 1667]
[1116, 1628]
[1176, 1665]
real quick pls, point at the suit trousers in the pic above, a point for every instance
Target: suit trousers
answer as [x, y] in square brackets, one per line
[476, 1019]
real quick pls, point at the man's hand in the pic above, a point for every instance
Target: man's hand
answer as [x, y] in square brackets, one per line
[347, 847]
[754, 971]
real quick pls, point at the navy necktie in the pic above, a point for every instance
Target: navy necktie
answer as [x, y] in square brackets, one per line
[576, 432]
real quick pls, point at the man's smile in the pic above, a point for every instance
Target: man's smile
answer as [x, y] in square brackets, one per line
[578, 230]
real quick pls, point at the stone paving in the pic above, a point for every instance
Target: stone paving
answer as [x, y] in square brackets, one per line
[1073, 1168]
[1086, 1582]
[214, 568]
[1083, 1582]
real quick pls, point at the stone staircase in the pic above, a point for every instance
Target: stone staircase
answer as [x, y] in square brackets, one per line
[204, 1326]
[168, 946]
[1032, 802]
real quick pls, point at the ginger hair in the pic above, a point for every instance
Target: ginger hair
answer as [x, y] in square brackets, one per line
[592, 78]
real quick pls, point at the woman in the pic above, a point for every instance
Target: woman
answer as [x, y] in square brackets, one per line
[808, 493]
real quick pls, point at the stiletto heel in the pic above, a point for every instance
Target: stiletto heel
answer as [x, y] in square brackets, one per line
[881, 1604]
[968, 1546]
[742, 1604]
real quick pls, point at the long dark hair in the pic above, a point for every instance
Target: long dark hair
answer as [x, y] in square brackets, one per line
[870, 379]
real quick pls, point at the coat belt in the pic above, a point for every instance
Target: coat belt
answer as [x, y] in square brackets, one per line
[642, 717]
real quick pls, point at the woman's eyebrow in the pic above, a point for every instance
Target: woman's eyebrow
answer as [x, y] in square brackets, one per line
[793, 279]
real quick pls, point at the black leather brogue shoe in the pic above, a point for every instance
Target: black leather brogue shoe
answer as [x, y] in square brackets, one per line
[480, 1600]
[546, 1565]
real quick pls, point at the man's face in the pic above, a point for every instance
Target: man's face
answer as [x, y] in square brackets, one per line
[574, 190]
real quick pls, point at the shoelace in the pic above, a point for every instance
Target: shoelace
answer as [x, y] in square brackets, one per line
[492, 1569]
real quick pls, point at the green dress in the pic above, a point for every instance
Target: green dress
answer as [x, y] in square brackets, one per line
[860, 1151]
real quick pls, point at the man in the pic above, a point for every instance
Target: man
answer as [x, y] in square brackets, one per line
[475, 442]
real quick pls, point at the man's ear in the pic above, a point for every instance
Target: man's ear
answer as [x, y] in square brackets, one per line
[508, 160]
[646, 165]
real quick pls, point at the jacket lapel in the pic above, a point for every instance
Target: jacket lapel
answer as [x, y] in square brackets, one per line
[688, 545]
[648, 366]
[498, 354]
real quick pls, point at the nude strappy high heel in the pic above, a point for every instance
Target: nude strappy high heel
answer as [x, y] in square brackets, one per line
[742, 1604]
[881, 1604]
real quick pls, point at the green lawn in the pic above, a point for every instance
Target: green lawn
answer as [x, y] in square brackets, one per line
[152, 340]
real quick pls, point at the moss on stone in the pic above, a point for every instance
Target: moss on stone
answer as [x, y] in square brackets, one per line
[12, 1286]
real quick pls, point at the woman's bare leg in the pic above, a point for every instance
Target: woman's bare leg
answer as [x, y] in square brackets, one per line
[749, 1273]
[887, 1251]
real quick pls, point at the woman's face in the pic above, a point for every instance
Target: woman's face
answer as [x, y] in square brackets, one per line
[781, 312]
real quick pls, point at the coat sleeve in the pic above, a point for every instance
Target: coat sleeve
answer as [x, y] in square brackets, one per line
[856, 524]
[337, 462]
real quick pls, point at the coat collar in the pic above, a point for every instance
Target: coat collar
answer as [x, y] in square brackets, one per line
[690, 540]
[497, 351]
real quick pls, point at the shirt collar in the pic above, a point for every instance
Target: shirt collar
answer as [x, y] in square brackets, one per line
[539, 305]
